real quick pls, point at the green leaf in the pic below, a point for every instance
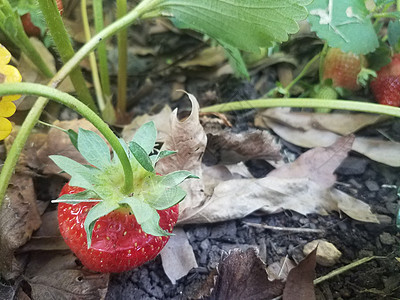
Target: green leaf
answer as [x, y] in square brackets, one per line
[164, 153]
[243, 24]
[169, 198]
[175, 178]
[394, 34]
[81, 176]
[93, 148]
[343, 24]
[77, 197]
[73, 136]
[379, 58]
[96, 212]
[146, 216]
[141, 156]
[146, 136]
[236, 60]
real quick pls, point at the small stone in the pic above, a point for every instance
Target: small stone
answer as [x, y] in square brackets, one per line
[327, 254]
[201, 233]
[387, 239]
[372, 185]
[352, 166]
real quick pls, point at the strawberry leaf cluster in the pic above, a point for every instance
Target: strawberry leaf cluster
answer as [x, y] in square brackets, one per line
[102, 179]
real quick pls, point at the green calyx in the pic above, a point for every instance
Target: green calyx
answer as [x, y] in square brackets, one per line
[103, 179]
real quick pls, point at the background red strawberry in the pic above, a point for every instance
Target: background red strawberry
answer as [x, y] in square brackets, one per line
[118, 243]
[30, 28]
[386, 86]
[343, 68]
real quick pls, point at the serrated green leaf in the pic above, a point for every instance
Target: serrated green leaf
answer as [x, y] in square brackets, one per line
[73, 137]
[99, 210]
[141, 156]
[146, 216]
[243, 24]
[164, 153]
[379, 58]
[175, 178]
[343, 24]
[146, 136]
[93, 148]
[394, 34]
[169, 198]
[81, 176]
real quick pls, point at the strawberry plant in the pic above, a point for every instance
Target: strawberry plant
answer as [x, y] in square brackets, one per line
[111, 229]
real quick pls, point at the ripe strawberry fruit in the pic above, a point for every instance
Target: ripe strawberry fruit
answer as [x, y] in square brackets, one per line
[30, 28]
[124, 228]
[386, 86]
[118, 243]
[343, 68]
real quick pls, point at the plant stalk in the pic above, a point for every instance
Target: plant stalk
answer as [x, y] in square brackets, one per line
[122, 60]
[73, 103]
[65, 49]
[306, 102]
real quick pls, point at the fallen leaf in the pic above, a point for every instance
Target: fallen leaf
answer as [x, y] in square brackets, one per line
[299, 283]
[19, 217]
[209, 57]
[317, 164]
[242, 275]
[56, 274]
[161, 120]
[230, 148]
[340, 123]
[177, 256]
[310, 136]
[280, 270]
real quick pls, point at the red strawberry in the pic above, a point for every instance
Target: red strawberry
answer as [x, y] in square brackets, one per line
[386, 86]
[30, 28]
[129, 224]
[343, 68]
[119, 243]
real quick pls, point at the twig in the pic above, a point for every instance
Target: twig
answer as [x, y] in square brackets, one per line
[289, 229]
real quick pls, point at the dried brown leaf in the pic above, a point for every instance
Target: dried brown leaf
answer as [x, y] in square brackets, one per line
[299, 283]
[19, 217]
[56, 274]
[310, 137]
[209, 57]
[340, 123]
[242, 275]
[177, 256]
[317, 164]
[230, 148]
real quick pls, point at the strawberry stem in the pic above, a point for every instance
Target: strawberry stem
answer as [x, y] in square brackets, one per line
[73, 103]
[306, 102]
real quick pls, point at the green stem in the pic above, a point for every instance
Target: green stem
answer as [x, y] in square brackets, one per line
[323, 53]
[92, 59]
[302, 73]
[306, 102]
[19, 37]
[122, 60]
[101, 50]
[144, 7]
[65, 49]
[73, 103]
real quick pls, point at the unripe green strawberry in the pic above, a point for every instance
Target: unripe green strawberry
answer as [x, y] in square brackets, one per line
[343, 68]
[324, 92]
[386, 86]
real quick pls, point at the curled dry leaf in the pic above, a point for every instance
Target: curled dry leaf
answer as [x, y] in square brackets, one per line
[19, 217]
[229, 148]
[242, 275]
[318, 164]
[310, 135]
[299, 283]
[56, 273]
